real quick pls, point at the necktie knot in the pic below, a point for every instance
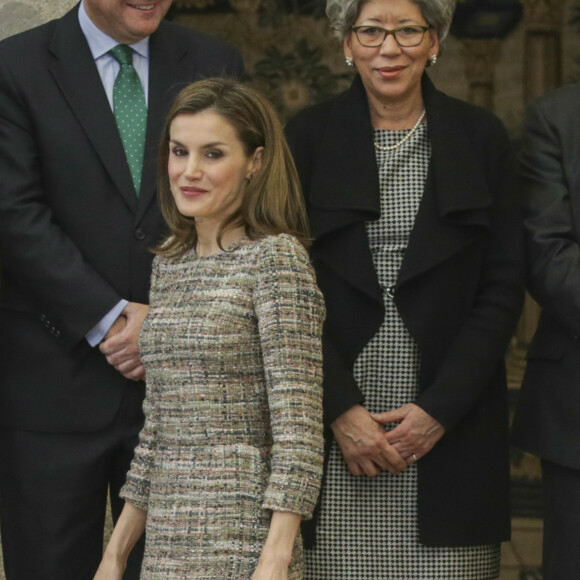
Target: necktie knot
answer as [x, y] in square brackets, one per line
[123, 54]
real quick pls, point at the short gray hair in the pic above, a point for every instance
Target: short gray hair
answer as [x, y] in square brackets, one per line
[342, 15]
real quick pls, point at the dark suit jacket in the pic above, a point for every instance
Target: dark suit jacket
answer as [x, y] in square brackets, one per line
[547, 420]
[74, 238]
[459, 292]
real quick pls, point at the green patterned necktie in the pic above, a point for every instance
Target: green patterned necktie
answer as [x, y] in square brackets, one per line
[130, 111]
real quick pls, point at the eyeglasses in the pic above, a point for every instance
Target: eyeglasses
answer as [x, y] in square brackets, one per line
[406, 36]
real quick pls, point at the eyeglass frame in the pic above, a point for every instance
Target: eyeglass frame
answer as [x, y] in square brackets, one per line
[388, 31]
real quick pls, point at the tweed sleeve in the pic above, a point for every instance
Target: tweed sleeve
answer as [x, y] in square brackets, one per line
[136, 488]
[290, 311]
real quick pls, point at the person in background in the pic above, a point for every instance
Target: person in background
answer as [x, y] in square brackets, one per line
[82, 104]
[546, 420]
[230, 458]
[418, 252]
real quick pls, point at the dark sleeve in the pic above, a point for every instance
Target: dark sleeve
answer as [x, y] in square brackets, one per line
[37, 255]
[478, 348]
[553, 253]
[341, 391]
[340, 388]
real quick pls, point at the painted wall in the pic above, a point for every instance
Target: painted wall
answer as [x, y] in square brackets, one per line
[18, 15]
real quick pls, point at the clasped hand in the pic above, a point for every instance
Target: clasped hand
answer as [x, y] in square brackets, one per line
[271, 570]
[369, 449]
[121, 343]
[415, 435]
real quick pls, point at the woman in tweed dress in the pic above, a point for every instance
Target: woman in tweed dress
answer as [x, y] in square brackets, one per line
[230, 457]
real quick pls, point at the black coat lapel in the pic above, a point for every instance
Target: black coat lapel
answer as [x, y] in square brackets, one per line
[77, 76]
[453, 209]
[344, 192]
[345, 186]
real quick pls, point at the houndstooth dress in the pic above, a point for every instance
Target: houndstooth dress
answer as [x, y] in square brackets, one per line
[368, 527]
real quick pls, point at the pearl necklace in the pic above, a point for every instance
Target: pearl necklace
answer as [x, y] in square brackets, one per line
[404, 139]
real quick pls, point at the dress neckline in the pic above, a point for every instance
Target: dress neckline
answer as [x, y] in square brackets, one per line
[225, 252]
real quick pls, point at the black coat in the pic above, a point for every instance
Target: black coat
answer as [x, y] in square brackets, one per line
[547, 419]
[459, 292]
[74, 238]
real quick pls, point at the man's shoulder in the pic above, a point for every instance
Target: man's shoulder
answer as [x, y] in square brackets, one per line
[560, 100]
[191, 36]
[24, 42]
[200, 54]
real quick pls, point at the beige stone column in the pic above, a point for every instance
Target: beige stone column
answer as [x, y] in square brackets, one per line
[481, 57]
[19, 15]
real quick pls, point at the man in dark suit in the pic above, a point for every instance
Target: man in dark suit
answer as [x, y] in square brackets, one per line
[76, 227]
[547, 421]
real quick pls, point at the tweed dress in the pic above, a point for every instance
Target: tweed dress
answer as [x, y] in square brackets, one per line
[233, 411]
[368, 527]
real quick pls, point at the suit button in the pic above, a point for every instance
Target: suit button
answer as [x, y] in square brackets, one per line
[140, 234]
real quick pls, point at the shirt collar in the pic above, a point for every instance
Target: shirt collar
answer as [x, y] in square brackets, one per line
[101, 43]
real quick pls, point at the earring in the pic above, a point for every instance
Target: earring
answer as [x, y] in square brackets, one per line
[434, 60]
[348, 61]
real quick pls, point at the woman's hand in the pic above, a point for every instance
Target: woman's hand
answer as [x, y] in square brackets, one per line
[121, 344]
[277, 552]
[271, 568]
[363, 443]
[127, 531]
[110, 569]
[416, 434]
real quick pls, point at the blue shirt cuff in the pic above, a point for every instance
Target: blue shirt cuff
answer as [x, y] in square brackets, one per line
[98, 332]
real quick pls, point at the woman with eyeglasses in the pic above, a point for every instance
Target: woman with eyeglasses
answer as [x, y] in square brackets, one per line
[417, 248]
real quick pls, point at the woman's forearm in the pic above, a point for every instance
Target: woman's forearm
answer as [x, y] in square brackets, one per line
[128, 529]
[282, 535]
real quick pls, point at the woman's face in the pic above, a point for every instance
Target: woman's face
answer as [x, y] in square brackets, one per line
[390, 72]
[207, 166]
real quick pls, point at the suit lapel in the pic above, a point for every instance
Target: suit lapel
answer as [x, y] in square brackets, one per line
[166, 56]
[77, 76]
[571, 153]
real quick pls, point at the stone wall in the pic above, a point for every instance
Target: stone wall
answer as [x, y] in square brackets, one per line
[18, 15]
